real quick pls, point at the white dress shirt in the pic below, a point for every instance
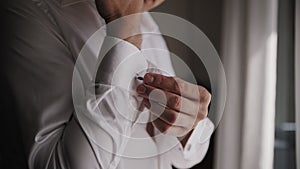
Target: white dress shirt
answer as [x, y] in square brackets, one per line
[48, 37]
[117, 130]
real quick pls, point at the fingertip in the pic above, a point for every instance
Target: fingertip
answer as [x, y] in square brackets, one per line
[141, 89]
[148, 78]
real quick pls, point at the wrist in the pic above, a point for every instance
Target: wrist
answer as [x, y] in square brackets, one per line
[184, 139]
[136, 40]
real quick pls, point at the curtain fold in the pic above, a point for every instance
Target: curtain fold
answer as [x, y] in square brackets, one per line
[245, 137]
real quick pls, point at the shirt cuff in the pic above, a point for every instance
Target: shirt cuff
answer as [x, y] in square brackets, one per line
[196, 147]
[104, 118]
[121, 60]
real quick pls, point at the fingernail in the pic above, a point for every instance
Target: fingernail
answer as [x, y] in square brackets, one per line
[148, 78]
[141, 89]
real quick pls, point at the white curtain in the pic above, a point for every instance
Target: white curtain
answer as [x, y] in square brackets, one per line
[297, 80]
[245, 136]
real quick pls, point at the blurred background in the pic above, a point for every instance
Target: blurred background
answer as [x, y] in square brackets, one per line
[258, 42]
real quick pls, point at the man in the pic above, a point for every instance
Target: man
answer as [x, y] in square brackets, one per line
[44, 43]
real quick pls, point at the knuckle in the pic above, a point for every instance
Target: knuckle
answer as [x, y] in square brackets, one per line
[176, 87]
[174, 102]
[205, 96]
[174, 84]
[202, 114]
[179, 86]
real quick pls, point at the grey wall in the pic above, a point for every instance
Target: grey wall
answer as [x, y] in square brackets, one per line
[206, 15]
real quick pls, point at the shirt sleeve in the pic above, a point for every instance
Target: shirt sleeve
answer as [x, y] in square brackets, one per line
[196, 147]
[38, 69]
[108, 113]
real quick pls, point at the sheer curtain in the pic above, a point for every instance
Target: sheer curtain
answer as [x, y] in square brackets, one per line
[245, 137]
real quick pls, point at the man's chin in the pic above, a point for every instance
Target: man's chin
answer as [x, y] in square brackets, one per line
[151, 4]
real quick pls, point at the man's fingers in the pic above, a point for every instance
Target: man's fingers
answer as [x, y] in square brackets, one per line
[161, 125]
[169, 99]
[176, 106]
[169, 116]
[165, 128]
[171, 122]
[172, 117]
[172, 84]
[164, 97]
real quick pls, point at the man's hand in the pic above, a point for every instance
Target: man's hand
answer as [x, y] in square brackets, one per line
[186, 103]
